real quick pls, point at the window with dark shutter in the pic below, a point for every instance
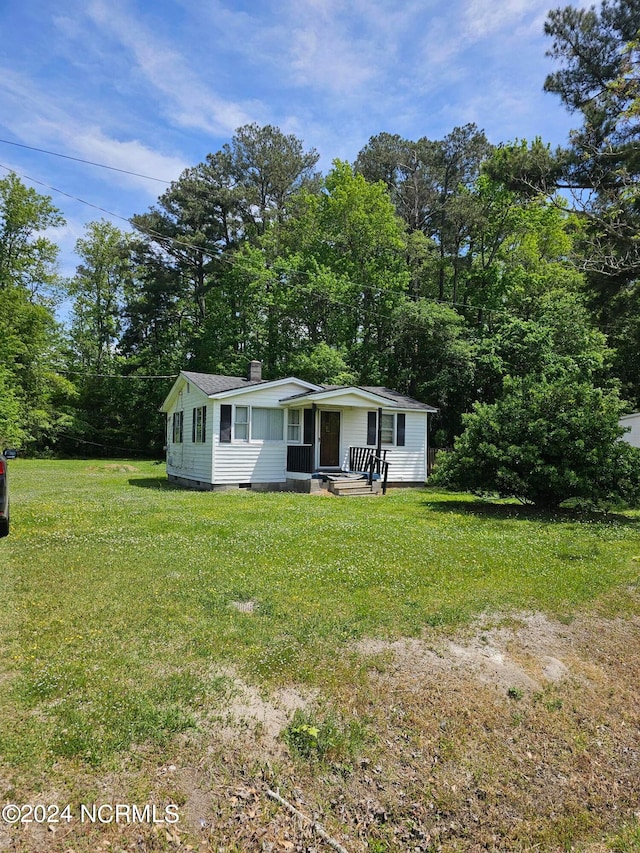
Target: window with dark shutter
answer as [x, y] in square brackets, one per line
[372, 429]
[225, 424]
[193, 425]
[401, 425]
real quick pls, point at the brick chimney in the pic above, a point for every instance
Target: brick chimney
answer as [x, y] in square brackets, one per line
[255, 371]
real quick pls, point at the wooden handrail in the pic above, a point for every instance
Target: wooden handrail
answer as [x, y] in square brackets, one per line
[367, 461]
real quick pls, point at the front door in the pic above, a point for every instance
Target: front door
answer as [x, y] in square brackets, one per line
[329, 439]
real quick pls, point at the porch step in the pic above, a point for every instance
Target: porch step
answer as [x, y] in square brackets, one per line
[351, 487]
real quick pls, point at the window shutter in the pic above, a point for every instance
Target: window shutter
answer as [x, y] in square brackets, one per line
[307, 436]
[401, 425]
[372, 429]
[204, 424]
[225, 424]
[193, 425]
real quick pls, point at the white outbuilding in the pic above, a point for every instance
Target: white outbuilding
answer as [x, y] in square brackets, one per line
[631, 423]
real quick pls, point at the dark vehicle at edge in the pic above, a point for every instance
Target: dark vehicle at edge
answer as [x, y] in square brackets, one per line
[4, 490]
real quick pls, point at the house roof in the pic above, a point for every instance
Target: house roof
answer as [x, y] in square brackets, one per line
[401, 400]
[390, 397]
[213, 384]
[219, 385]
[216, 383]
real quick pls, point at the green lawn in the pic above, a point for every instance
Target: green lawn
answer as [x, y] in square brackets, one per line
[117, 593]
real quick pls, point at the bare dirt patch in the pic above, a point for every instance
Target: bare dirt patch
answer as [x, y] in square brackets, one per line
[519, 733]
[262, 716]
[243, 606]
[526, 650]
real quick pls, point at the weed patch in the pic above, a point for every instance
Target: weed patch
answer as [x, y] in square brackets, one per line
[324, 737]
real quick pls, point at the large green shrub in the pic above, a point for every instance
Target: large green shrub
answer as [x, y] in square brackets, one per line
[545, 441]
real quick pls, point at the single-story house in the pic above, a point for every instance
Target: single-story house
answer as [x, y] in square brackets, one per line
[230, 431]
[631, 423]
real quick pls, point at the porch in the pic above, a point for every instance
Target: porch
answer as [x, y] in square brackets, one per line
[366, 463]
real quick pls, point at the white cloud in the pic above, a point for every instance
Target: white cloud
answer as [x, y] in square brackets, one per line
[41, 122]
[483, 18]
[189, 101]
[131, 155]
[329, 63]
[354, 50]
[325, 46]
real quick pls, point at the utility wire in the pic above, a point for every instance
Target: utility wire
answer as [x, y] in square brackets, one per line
[62, 192]
[112, 375]
[99, 444]
[88, 162]
[160, 238]
[149, 232]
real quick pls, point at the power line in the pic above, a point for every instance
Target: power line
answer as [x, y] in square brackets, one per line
[99, 444]
[160, 238]
[112, 375]
[62, 192]
[88, 162]
[155, 235]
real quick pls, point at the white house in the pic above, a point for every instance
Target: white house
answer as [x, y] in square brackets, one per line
[229, 431]
[632, 424]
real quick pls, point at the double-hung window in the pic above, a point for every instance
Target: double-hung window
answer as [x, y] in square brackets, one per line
[293, 426]
[392, 429]
[199, 425]
[241, 423]
[387, 428]
[178, 422]
[250, 423]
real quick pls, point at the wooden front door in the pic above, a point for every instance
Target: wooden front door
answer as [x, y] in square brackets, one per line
[329, 439]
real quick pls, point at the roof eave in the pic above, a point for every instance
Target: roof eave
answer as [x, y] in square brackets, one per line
[262, 384]
[367, 396]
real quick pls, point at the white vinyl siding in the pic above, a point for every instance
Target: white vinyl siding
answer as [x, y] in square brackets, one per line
[254, 460]
[407, 464]
[263, 460]
[631, 423]
[191, 459]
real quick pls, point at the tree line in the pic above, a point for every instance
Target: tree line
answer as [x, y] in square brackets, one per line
[473, 276]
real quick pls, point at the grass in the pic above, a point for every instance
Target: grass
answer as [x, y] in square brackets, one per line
[118, 620]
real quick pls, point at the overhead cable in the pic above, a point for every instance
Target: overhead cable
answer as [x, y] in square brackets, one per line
[87, 162]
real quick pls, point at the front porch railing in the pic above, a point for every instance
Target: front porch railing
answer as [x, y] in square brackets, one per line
[365, 460]
[360, 459]
[300, 458]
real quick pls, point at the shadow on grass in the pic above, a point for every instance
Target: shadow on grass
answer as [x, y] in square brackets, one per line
[523, 512]
[153, 483]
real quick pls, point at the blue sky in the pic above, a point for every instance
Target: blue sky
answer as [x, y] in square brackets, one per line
[154, 87]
